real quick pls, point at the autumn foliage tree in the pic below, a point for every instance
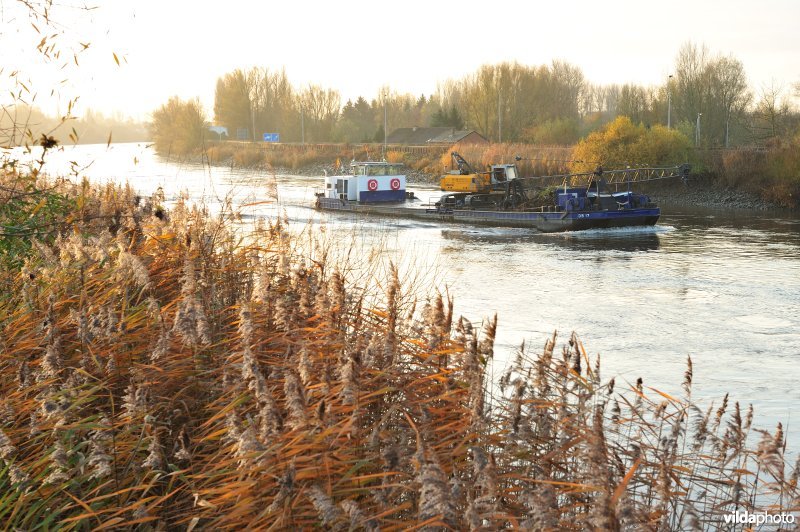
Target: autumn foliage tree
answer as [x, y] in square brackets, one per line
[178, 126]
[232, 103]
[622, 143]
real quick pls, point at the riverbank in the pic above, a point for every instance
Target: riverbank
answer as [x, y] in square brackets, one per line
[734, 190]
[698, 191]
[705, 192]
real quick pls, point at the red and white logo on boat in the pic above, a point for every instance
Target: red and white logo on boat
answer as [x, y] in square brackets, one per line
[372, 184]
[395, 183]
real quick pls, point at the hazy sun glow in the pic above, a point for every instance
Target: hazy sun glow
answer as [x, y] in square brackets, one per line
[357, 47]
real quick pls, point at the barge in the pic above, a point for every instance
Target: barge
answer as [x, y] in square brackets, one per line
[499, 197]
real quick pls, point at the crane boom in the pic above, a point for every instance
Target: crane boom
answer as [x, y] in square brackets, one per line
[611, 177]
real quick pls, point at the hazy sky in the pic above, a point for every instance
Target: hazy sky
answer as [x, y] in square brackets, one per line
[180, 47]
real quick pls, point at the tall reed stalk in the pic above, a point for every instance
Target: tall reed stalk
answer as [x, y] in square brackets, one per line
[161, 372]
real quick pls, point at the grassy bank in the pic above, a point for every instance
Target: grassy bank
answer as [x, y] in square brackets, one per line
[773, 172]
[162, 371]
[428, 163]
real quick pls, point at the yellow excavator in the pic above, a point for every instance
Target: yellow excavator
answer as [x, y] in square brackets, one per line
[463, 178]
[496, 187]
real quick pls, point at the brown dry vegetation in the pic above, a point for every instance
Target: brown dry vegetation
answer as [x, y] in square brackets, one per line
[433, 160]
[164, 372]
[292, 157]
[772, 172]
[535, 160]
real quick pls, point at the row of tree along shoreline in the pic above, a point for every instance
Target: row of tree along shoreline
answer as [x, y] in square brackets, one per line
[707, 97]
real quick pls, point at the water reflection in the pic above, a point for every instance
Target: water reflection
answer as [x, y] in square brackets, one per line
[590, 241]
[775, 223]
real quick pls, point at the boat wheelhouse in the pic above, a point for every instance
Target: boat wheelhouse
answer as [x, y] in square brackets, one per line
[368, 182]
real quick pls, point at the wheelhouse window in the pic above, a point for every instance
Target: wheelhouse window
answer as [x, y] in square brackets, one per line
[375, 169]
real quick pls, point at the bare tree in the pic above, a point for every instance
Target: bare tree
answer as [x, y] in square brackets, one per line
[635, 102]
[690, 82]
[729, 90]
[714, 86]
[506, 100]
[771, 112]
[568, 85]
[321, 110]
[274, 103]
[232, 104]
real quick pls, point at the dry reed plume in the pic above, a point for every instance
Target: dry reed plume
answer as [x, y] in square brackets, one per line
[158, 371]
[291, 156]
[535, 160]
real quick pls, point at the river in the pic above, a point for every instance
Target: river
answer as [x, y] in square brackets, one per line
[721, 286]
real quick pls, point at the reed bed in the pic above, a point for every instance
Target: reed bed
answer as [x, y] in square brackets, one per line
[534, 160]
[160, 371]
[292, 157]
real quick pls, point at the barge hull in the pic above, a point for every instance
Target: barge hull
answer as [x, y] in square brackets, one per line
[546, 222]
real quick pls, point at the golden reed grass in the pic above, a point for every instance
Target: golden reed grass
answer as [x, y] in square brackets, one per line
[535, 160]
[292, 157]
[161, 372]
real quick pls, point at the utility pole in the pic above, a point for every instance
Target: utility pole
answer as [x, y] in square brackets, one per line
[499, 117]
[384, 124]
[669, 102]
[697, 130]
[727, 126]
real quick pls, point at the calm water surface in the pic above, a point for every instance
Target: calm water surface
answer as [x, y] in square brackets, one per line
[720, 286]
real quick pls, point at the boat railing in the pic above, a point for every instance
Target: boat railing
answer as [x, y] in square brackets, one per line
[432, 206]
[542, 208]
[611, 177]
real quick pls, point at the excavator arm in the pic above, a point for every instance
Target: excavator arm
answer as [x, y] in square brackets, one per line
[463, 166]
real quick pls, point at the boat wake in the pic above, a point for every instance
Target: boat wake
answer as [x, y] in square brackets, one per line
[611, 232]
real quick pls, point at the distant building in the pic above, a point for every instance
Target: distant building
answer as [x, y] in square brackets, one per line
[419, 136]
[219, 131]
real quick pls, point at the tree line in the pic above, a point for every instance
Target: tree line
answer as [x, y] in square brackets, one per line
[22, 124]
[707, 98]
[249, 103]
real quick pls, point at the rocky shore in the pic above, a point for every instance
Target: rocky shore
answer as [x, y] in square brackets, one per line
[704, 192]
[713, 197]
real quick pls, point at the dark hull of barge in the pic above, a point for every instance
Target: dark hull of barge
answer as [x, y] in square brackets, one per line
[544, 221]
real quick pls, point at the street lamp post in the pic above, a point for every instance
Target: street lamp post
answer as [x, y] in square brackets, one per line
[697, 130]
[499, 117]
[385, 133]
[669, 102]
